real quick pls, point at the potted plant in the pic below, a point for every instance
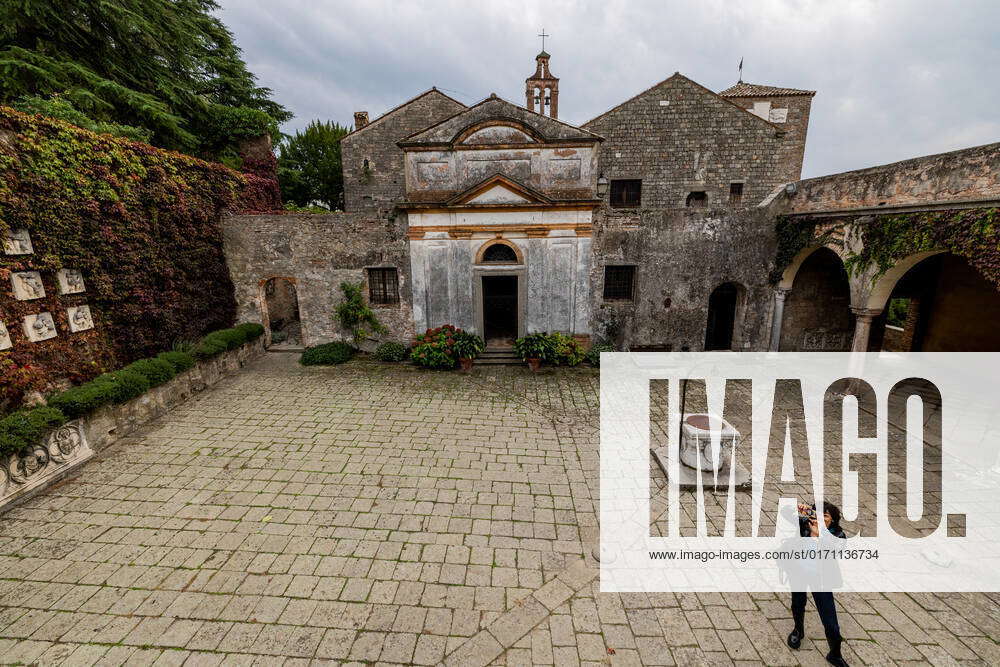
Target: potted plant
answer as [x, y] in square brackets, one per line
[467, 346]
[534, 349]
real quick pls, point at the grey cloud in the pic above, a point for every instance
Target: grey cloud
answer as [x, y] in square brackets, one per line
[895, 78]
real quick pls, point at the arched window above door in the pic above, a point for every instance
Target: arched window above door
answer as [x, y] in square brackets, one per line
[499, 252]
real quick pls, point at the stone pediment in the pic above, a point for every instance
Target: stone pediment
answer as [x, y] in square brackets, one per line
[500, 191]
[493, 122]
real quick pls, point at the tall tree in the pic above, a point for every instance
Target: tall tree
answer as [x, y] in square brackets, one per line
[309, 166]
[168, 67]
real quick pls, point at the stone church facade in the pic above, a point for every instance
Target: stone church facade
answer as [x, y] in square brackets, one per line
[651, 226]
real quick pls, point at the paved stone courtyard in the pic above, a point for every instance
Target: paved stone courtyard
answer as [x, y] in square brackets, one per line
[377, 514]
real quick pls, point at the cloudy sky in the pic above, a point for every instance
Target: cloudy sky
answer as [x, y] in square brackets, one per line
[895, 78]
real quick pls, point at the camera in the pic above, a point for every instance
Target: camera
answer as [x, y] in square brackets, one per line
[805, 518]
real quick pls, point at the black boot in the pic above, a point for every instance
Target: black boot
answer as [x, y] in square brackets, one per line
[834, 657]
[796, 635]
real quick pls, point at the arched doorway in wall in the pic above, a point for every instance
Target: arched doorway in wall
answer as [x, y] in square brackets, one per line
[940, 304]
[724, 313]
[281, 312]
[817, 310]
[499, 276]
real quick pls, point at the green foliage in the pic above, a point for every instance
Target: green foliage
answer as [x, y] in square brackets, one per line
[566, 350]
[355, 314]
[218, 342]
[180, 361]
[309, 165]
[897, 311]
[594, 353]
[123, 385]
[295, 208]
[157, 371]
[78, 401]
[795, 235]
[435, 348]
[140, 223]
[536, 346]
[25, 428]
[60, 108]
[391, 351]
[170, 68]
[468, 345]
[252, 330]
[327, 354]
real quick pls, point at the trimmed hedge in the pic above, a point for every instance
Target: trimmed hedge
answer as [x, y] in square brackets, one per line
[156, 370]
[181, 361]
[327, 354]
[26, 427]
[391, 351]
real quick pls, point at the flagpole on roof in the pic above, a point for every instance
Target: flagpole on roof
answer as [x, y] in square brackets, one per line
[741, 71]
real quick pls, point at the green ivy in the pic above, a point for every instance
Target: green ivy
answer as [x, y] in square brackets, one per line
[355, 314]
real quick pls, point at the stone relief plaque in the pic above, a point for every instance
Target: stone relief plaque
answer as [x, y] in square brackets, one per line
[27, 285]
[17, 242]
[5, 342]
[39, 327]
[36, 465]
[79, 318]
[70, 281]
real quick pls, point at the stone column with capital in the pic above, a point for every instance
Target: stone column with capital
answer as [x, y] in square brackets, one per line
[779, 312]
[863, 327]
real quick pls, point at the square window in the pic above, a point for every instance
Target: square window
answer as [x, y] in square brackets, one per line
[696, 200]
[735, 194]
[619, 283]
[626, 193]
[383, 286]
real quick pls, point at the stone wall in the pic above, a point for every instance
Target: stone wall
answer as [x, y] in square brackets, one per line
[379, 187]
[795, 110]
[680, 137]
[681, 256]
[317, 252]
[968, 174]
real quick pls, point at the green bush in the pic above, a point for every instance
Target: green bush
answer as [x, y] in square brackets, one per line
[594, 353]
[436, 348]
[26, 427]
[208, 348]
[251, 330]
[536, 346]
[79, 401]
[156, 370]
[327, 354]
[566, 351]
[468, 345]
[391, 351]
[181, 361]
[124, 385]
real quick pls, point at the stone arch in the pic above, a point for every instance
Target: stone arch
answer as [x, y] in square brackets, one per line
[481, 253]
[815, 303]
[531, 133]
[279, 309]
[884, 284]
[788, 275]
[724, 324]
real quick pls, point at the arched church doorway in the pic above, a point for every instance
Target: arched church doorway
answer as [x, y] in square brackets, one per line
[941, 304]
[499, 272]
[723, 309]
[817, 310]
[281, 306]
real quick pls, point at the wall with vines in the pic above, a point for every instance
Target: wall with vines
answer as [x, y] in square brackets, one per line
[142, 224]
[972, 234]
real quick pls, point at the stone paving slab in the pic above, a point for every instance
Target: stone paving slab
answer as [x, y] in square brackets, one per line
[379, 514]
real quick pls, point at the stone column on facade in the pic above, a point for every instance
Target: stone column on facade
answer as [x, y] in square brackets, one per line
[779, 312]
[863, 327]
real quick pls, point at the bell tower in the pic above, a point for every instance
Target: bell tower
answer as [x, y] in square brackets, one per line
[541, 89]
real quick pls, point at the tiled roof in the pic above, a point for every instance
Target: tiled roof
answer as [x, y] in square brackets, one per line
[742, 89]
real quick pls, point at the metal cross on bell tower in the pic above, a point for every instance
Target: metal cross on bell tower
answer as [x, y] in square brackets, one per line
[543, 36]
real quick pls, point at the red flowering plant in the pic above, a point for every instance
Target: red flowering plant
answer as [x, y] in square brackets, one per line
[435, 348]
[16, 380]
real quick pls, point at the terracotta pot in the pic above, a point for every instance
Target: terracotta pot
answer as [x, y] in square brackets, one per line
[466, 364]
[534, 364]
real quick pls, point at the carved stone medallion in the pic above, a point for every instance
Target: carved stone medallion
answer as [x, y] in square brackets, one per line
[39, 327]
[5, 342]
[70, 281]
[79, 318]
[27, 285]
[17, 242]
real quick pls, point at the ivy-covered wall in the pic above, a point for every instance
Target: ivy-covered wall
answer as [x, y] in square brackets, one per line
[141, 224]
